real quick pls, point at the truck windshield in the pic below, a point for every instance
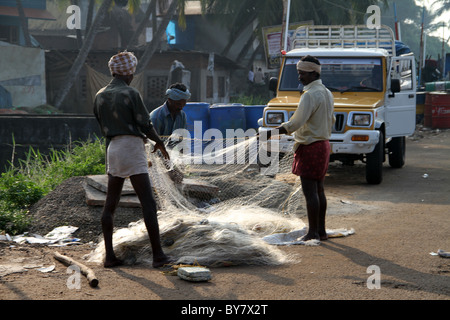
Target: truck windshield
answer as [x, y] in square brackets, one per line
[339, 74]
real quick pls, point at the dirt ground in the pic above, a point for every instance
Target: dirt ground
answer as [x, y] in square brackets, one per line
[403, 221]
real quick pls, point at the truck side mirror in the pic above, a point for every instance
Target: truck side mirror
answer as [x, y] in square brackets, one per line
[273, 84]
[395, 87]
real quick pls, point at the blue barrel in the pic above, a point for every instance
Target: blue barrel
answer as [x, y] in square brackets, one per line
[227, 116]
[197, 111]
[252, 115]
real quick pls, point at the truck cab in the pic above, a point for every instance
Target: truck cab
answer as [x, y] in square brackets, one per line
[374, 94]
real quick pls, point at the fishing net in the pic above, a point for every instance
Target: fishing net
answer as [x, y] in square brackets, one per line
[221, 211]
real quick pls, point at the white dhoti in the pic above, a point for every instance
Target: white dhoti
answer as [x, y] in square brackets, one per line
[127, 156]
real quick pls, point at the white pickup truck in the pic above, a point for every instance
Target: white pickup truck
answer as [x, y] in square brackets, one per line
[374, 94]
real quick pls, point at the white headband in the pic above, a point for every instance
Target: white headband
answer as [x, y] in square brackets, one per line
[176, 94]
[308, 66]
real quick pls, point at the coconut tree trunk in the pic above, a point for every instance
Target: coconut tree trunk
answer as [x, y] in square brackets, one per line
[82, 55]
[24, 23]
[78, 31]
[90, 14]
[235, 36]
[246, 47]
[142, 25]
[153, 45]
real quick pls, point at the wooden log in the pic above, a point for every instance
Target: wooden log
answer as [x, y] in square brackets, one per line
[86, 271]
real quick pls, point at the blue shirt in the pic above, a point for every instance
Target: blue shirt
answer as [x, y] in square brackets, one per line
[164, 123]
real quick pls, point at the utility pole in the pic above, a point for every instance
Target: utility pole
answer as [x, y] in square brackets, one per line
[397, 25]
[286, 34]
[421, 53]
[285, 26]
[443, 51]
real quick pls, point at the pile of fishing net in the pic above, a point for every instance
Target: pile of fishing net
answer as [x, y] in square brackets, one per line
[232, 237]
[221, 229]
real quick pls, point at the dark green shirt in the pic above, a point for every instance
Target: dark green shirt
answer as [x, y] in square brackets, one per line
[119, 109]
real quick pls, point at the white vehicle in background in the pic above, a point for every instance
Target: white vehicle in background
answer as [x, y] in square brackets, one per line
[374, 94]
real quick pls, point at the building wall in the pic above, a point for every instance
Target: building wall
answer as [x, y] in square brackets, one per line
[156, 79]
[42, 132]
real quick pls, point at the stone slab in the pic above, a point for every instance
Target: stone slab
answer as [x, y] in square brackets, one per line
[194, 274]
[95, 197]
[96, 187]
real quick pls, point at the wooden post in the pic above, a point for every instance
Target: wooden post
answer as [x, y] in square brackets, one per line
[88, 272]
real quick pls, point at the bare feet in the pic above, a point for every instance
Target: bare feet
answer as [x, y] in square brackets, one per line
[323, 236]
[160, 262]
[112, 263]
[310, 236]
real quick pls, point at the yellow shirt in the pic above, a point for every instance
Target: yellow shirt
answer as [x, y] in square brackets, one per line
[314, 118]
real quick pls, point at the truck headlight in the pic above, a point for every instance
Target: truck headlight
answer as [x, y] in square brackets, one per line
[361, 119]
[275, 118]
[260, 122]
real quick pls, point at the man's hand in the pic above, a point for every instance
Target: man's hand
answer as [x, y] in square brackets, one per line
[160, 146]
[274, 132]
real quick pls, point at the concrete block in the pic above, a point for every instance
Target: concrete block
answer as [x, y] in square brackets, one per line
[95, 197]
[194, 274]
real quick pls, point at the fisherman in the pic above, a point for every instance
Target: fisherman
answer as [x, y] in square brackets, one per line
[170, 116]
[311, 125]
[125, 122]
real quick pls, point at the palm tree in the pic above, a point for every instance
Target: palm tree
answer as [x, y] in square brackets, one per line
[151, 47]
[87, 43]
[237, 15]
[82, 55]
[150, 9]
[93, 29]
[117, 16]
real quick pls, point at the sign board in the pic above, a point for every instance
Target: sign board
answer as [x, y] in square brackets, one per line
[23, 74]
[272, 42]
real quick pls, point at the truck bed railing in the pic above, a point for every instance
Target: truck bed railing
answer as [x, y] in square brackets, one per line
[349, 36]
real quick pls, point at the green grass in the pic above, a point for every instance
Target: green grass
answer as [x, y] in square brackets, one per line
[247, 100]
[37, 174]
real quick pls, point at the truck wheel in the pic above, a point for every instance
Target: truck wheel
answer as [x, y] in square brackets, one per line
[397, 147]
[374, 163]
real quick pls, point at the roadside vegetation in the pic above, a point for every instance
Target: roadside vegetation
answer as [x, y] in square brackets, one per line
[25, 183]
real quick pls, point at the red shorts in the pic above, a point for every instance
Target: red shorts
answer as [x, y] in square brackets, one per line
[311, 161]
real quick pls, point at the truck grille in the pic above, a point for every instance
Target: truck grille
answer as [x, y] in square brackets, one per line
[339, 125]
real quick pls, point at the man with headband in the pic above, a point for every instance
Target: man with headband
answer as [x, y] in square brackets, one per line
[311, 125]
[170, 116]
[125, 122]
